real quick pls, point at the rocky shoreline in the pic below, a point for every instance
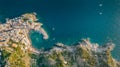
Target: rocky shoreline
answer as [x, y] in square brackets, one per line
[16, 49]
[83, 54]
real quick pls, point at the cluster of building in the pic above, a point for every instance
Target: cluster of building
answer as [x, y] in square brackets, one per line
[18, 29]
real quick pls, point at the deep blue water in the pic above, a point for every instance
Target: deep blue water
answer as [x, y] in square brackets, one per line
[72, 20]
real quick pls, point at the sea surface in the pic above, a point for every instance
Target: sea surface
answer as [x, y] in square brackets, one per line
[68, 21]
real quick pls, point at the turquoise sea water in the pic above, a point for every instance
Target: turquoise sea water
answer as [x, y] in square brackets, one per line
[68, 21]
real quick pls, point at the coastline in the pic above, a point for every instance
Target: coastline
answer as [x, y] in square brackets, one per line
[21, 27]
[15, 38]
[83, 54]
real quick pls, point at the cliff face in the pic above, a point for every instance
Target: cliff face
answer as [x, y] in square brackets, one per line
[84, 54]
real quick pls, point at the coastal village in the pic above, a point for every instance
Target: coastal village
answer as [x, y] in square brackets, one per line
[17, 30]
[15, 40]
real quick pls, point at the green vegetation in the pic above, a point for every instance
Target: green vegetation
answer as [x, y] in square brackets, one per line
[5, 54]
[15, 57]
[34, 56]
[42, 61]
[55, 59]
[19, 58]
[105, 59]
[68, 56]
[103, 64]
[81, 57]
[60, 60]
[84, 54]
[109, 58]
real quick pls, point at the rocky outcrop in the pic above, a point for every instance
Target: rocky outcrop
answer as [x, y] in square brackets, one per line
[84, 54]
